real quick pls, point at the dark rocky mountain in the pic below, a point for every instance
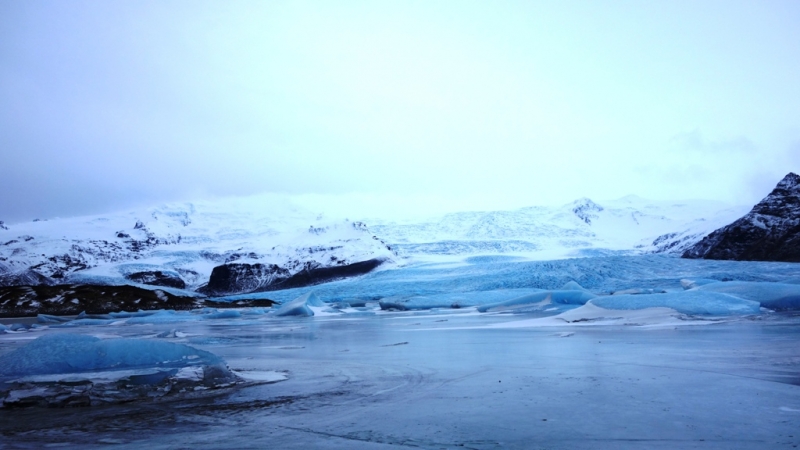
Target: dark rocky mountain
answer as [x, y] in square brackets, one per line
[237, 278]
[769, 232]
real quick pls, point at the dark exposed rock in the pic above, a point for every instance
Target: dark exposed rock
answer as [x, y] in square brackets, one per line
[259, 303]
[236, 278]
[240, 278]
[586, 210]
[769, 232]
[3, 225]
[71, 299]
[319, 275]
[24, 277]
[157, 278]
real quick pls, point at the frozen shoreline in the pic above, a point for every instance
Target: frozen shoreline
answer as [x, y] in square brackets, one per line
[416, 378]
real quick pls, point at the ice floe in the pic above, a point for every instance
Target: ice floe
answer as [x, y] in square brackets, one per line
[79, 370]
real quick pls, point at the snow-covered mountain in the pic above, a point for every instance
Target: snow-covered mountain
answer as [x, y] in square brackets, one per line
[267, 242]
[584, 227]
[769, 232]
[180, 245]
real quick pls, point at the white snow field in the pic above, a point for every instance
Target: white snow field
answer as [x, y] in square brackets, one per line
[185, 241]
[488, 353]
[629, 225]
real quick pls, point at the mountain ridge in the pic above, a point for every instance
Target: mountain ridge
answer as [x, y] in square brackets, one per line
[770, 231]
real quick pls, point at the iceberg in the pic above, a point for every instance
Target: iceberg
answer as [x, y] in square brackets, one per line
[542, 299]
[300, 306]
[452, 299]
[775, 296]
[693, 302]
[162, 316]
[61, 370]
[696, 282]
[46, 318]
[227, 314]
[573, 286]
[83, 322]
[73, 353]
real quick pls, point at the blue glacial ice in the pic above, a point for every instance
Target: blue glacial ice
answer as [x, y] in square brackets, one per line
[599, 275]
[775, 296]
[300, 306]
[452, 299]
[48, 319]
[691, 283]
[72, 353]
[542, 300]
[692, 302]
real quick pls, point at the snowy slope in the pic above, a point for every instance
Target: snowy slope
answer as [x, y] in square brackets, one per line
[583, 227]
[185, 241]
[267, 239]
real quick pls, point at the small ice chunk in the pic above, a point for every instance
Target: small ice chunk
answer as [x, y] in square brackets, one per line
[163, 316]
[46, 318]
[300, 306]
[83, 322]
[541, 299]
[268, 376]
[638, 291]
[190, 374]
[227, 314]
[453, 299]
[692, 283]
[573, 286]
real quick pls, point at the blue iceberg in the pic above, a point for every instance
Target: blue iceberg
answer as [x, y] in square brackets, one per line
[692, 302]
[541, 300]
[73, 353]
[300, 306]
[452, 299]
[775, 296]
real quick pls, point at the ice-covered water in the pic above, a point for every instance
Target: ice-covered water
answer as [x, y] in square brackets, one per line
[633, 372]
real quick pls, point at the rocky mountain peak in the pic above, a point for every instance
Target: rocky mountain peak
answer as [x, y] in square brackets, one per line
[586, 209]
[769, 232]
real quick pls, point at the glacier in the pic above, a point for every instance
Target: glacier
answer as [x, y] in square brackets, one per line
[340, 366]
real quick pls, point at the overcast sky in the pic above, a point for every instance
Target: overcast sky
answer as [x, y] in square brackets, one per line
[430, 106]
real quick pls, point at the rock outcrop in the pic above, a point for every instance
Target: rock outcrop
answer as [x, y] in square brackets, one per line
[66, 299]
[319, 275]
[240, 278]
[236, 278]
[769, 232]
[158, 278]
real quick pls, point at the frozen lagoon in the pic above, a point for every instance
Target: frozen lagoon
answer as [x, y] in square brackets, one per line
[459, 379]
